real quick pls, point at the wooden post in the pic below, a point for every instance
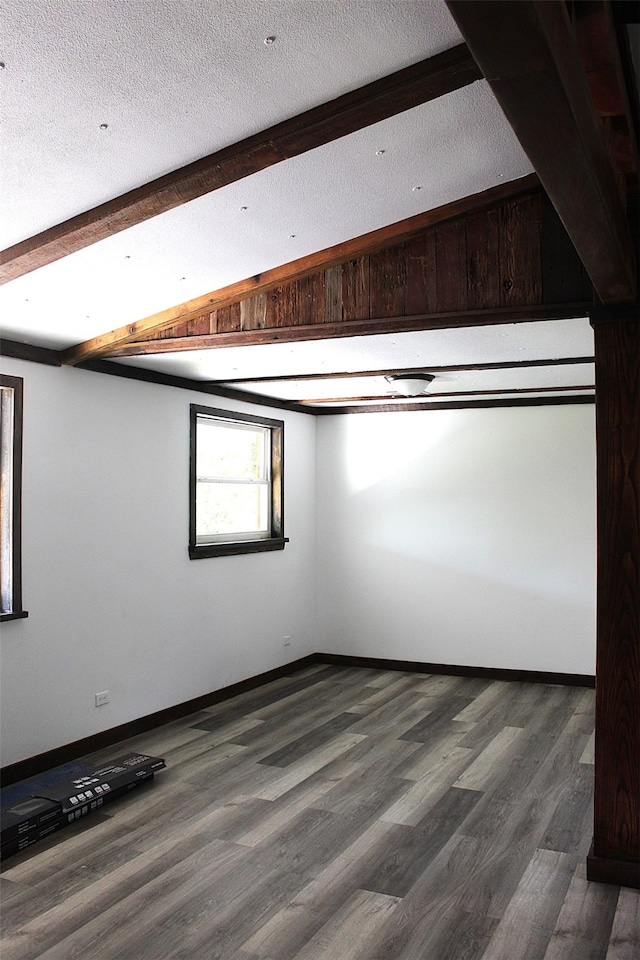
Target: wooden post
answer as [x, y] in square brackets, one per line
[615, 853]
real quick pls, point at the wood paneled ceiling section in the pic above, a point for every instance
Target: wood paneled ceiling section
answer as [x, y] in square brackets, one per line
[510, 260]
[503, 261]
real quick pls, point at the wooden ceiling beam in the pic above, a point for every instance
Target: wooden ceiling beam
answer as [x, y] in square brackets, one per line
[350, 328]
[528, 53]
[106, 344]
[515, 391]
[383, 372]
[391, 95]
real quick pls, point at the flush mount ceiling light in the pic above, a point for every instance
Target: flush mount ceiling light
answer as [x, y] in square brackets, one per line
[410, 384]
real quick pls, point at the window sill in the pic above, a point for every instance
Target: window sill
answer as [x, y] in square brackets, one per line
[202, 550]
[14, 615]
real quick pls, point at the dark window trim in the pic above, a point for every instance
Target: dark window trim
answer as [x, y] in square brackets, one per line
[276, 540]
[16, 384]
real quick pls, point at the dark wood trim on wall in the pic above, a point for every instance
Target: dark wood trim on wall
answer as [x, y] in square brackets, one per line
[25, 351]
[459, 670]
[98, 741]
[183, 383]
[72, 751]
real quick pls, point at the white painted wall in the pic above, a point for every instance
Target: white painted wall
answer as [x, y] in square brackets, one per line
[463, 537]
[460, 537]
[114, 601]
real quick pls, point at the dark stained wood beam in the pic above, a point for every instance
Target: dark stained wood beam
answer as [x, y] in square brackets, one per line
[26, 351]
[598, 43]
[351, 328]
[450, 368]
[528, 53]
[451, 394]
[104, 344]
[615, 855]
[417, 84]
[484, 403]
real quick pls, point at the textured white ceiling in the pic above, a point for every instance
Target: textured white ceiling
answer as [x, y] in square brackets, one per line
[175, 80]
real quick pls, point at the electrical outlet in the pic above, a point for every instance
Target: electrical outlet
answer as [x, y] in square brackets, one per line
[286, 641]
[102, 698]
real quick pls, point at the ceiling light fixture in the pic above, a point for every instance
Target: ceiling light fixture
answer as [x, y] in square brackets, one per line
[410, 384]
[269, 40]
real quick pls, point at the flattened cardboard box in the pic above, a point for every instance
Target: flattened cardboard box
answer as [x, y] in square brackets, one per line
[50, 806]
[27, 816]
[104, 782]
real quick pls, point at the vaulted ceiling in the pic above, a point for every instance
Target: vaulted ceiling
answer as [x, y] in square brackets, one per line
[294, 199]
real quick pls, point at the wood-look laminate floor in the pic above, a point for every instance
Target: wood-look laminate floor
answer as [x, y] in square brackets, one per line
[339, 814]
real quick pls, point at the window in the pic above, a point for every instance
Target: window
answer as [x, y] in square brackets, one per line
[236, 491]
[11, 498]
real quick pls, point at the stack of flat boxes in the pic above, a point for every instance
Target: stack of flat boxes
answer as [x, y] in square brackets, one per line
[29, 821]
[47, 808]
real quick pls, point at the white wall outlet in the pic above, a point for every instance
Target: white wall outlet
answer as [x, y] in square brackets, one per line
[286, 641]
[102, 698]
